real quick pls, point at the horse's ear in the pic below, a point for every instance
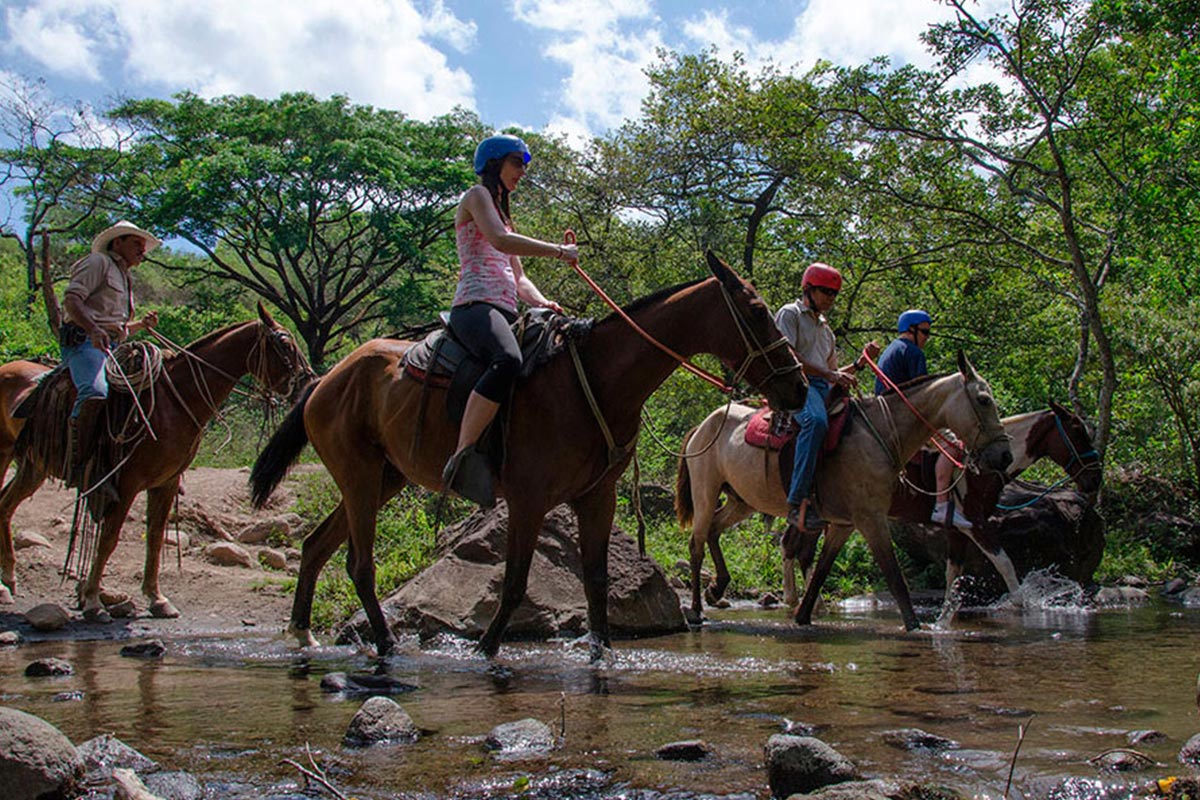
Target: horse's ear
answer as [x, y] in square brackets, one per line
[265, 315]
[1059, 411]
[720, 269]
[965, 367]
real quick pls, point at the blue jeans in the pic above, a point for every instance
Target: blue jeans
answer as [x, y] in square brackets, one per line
[814, 422]
[86, 364]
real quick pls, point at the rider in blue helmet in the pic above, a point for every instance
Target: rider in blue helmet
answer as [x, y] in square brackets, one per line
[490, 284]
[499, 146]
[903, 361]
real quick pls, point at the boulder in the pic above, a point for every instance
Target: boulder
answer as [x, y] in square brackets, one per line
[1190, 752]
[49, 667]
[228, 554]
[798, 764]
[380, 720]
[105, 753]
[1059, 530]
[460, 591]
[47, 617]
[36, 759]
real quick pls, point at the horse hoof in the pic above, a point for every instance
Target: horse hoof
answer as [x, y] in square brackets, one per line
[303, 636]
[694, 619]
[163, 609]
[96, 616]
[6, 598]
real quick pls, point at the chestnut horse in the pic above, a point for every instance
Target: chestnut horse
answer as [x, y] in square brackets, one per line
[362, 419]
[193, 384]
[17, 380]
[855, 482]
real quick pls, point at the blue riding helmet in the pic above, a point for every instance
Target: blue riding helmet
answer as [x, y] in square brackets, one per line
[914, 316]
[498, 146]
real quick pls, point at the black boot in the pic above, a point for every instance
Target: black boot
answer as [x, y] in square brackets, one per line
[83, 429]
[469, 475]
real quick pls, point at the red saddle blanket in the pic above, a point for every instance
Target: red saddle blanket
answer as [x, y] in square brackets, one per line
[770, 433]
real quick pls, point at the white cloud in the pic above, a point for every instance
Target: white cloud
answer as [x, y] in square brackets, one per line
[376, 51]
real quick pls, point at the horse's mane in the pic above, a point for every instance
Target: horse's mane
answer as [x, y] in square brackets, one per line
[655, 297]
[209, 337]
[916, 383]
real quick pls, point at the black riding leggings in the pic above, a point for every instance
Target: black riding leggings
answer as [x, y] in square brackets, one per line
[486, 331]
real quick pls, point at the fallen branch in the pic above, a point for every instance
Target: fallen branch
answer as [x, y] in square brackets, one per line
[1012, 765]
[315, 774]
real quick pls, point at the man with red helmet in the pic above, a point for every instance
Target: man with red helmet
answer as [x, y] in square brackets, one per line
[804, 324]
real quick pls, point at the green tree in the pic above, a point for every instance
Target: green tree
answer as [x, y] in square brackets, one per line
[334, 212]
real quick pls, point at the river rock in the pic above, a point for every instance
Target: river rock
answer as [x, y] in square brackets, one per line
[363, 683]
[174, 785]
[104, 753]
[272, 559]
[47, 617]
[153, 648]
[1061, 530]
[1190, 752]
[1145, 737]
[880, 790]
[261, 530]
[690, 750]
[917, 739]
[460, 591]
[36, 759]
[524, 738]
[9, 638]
[48, 668]
[228, 554]
[380, 720]
[798, 764]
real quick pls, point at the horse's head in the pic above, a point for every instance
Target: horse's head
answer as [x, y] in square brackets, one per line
[759, 353]
[1073, 450]
[276, 362]
[973, 415]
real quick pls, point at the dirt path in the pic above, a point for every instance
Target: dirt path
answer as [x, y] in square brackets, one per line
[211, 598]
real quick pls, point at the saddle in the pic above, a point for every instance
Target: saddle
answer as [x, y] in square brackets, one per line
[442, 361]
[777, 432]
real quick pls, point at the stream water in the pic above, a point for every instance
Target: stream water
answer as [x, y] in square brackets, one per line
[229, 709]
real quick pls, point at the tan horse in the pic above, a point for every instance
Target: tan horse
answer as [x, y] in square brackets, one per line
[854, 483]
[193, 385]
[362, 419]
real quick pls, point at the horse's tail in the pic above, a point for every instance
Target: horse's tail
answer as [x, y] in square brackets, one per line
[281, 452]
[683, 484]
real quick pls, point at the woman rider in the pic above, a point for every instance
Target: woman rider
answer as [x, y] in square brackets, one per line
[491, 281]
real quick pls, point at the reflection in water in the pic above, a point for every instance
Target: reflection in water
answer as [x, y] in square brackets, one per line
[1078, 681]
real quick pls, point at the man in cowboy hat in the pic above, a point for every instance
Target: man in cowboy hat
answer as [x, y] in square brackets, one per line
[99, 309]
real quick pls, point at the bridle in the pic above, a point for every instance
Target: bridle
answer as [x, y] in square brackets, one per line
[277, 342]
[1077, 456]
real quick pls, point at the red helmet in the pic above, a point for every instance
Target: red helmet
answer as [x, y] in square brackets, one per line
[819, 274]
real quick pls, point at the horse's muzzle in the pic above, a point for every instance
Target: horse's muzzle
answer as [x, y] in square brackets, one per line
[996, 455]
[787, 392]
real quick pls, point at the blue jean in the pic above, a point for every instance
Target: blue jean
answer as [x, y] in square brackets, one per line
[86, 364]
[814, 422]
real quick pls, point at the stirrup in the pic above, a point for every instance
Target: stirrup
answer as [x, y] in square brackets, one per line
[468, 475]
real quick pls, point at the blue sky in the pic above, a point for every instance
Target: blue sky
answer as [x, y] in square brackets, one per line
[568, 66]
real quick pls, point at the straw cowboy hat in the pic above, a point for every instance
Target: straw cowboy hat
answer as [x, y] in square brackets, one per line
[123, 228]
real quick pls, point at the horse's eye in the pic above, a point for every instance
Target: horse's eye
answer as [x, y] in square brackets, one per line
[984, 400]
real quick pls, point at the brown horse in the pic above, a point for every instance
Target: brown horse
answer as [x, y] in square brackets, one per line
[362, 419]
[17, 380]
[854, 482]
[193, 384]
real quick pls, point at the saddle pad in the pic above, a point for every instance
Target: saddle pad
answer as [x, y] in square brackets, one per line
[761, 430]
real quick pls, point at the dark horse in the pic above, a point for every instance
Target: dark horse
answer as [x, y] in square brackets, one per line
[362, 419]
[186, 395]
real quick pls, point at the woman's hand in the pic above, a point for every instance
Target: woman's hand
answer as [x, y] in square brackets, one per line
[568, 253]
[553, 306]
